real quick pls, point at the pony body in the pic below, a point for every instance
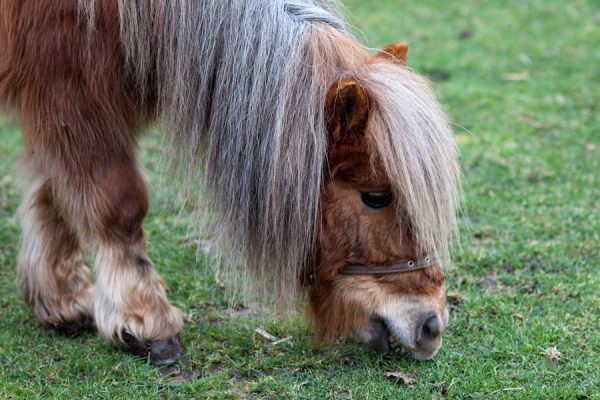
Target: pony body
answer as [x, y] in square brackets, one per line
[279, 113]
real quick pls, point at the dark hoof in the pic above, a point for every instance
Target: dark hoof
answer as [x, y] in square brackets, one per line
[160, 352]
[72, 329]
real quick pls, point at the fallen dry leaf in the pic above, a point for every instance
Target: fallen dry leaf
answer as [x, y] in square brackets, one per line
[407, 380]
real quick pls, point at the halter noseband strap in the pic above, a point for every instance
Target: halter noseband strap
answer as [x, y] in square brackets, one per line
[400, 266]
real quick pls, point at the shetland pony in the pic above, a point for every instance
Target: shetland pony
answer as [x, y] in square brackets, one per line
[324, 170]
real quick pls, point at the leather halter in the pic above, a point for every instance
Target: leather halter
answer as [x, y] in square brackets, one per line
[400, 266]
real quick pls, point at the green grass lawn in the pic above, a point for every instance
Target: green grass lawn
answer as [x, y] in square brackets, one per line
[521, 81]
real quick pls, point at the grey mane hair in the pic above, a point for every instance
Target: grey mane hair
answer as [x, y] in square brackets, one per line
[315, 11]
[240, 90]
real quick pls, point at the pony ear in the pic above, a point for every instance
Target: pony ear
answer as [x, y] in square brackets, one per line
[395, 52]
[347, 107]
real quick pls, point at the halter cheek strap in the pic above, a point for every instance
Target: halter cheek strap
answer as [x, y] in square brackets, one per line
[400, 266]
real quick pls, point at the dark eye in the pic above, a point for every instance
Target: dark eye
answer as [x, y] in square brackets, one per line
[376, 200]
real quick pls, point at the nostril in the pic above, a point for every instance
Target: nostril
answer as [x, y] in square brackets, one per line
[431, 328]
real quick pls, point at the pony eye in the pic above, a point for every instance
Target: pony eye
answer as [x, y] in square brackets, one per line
[376, 200]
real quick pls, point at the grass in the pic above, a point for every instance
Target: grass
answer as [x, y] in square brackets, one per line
[521, 81]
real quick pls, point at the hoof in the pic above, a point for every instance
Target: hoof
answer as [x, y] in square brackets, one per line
[160, 352]
[72, 328]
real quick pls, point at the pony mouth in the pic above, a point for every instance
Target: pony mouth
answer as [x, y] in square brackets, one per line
[381, 335]
[392, 342]
[377, 335]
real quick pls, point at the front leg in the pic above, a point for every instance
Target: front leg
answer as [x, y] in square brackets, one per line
[131, 308]
[130, 302]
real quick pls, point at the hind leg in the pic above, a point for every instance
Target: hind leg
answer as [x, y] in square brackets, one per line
[51, 270]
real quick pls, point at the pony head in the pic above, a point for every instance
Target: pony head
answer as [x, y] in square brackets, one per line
[376, 210]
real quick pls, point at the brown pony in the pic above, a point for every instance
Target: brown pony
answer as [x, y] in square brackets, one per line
[323, 170]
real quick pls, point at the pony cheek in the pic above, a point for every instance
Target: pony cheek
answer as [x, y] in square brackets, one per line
[342, 304]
